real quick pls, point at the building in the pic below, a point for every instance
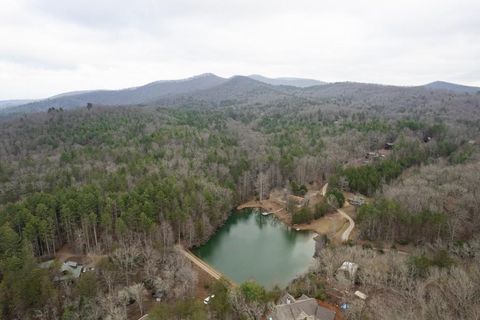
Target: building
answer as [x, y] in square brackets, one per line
[69, 270]
[303, 308]
[361, 295]
[356, 200]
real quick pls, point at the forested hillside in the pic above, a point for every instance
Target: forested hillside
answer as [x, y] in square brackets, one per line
[126, 183]
[129, 96]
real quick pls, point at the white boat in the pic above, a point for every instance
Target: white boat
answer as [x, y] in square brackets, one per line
[265, 213]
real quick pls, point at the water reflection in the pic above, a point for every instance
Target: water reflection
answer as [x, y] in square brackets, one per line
[251, 245]
[260, 220]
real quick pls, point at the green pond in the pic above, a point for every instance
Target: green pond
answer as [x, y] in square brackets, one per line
[252, 246]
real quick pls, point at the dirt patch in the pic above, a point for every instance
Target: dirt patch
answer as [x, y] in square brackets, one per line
[332, 307]
[331, 225]
[66, 253]
[349, 209]
[133, 312]
[205, 282]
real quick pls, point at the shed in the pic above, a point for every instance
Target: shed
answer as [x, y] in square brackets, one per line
[361, 295]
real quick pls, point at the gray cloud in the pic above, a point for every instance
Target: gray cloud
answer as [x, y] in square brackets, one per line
[35, 62]
[55, 46]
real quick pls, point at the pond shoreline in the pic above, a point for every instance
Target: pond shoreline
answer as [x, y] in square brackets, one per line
[264, 248]
[320, 226]
[268, 206]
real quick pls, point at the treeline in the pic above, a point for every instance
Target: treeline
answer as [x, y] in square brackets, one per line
[438, 202]
[385, 220]
[88, 216]
[25, 289]
[118, 182]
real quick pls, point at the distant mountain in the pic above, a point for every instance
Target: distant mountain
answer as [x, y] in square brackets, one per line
[295, 82]
[235, 91]
[13, 103]
[209, 90]
[130, 96]
[442, 85]
[72, 93]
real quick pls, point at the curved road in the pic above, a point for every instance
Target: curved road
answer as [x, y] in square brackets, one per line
[346, 233]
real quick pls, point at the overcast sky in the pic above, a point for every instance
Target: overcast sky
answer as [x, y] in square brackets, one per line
[52, 46]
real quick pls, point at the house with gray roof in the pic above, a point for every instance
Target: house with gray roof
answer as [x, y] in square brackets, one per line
[69, 270]
[303, 308]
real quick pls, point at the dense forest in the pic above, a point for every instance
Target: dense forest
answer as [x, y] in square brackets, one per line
[125, 183]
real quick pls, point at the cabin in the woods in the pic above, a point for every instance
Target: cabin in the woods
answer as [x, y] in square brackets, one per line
[70, 270]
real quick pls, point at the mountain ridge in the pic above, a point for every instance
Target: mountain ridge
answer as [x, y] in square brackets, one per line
[210, 89]
[129, 96]
[14, 102]
[459, 88]
[287, 81]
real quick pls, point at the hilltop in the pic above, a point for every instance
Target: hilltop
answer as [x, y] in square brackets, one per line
[442, 85]
[211, 90]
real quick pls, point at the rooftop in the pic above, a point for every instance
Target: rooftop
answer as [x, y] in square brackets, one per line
[300, 309]
[69, 269]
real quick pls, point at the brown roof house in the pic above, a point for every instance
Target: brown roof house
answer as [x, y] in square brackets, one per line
[303, 308]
